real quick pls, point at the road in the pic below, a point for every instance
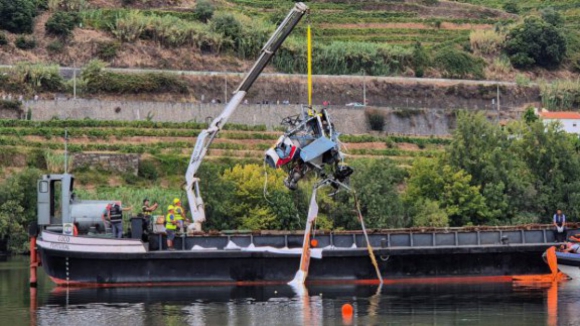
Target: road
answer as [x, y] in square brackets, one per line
[68, 73]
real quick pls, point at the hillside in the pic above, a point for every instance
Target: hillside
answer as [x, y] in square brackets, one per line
[379, 38]
[23, 142]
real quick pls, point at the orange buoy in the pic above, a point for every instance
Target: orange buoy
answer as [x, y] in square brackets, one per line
[347, 310]
[314, 243]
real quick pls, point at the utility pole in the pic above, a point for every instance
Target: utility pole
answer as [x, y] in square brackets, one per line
[66, 151]
[75, 80]
[497, 100]
[364, 89]
[226, 88]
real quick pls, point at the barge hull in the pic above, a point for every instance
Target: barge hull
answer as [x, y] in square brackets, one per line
[221, 267]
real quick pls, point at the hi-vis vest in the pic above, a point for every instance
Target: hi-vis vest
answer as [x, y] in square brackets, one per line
[178, 212]
[116, 213]
[168, 224]
[146, 212]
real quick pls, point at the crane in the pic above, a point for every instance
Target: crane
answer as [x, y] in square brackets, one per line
[207, 136]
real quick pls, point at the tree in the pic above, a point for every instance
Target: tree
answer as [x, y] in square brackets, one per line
[489, 155]
[550, 154]
[530, 115]
[204, 10]
[535, 42]
[17, 16]
[428, 213]
[432, 181]
[259, 202]
[18, 198]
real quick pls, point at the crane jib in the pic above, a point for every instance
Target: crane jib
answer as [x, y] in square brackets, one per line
[206, 137]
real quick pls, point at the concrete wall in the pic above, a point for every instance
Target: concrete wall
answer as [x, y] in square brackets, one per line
[350, 120]
[123, 163]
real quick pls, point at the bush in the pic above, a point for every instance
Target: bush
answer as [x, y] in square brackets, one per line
[148, 170]
[203, 10]
[99, 81]
[55, 47]
[458, 64]
[40, 77]
[535, 42]
[376, 119]
[11, 105]
[486, 41]
[511, 7]
[17, 16]
[552, 17]
[3, 39]
[228, 26]
[24, 43]
[62, 23]
[420, 59]
[107, 50]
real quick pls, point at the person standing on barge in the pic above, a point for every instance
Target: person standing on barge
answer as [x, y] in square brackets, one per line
[559, 221]
[170, 226]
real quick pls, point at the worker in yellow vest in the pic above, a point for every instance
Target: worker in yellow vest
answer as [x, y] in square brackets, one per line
[179, 213]
[170, 226]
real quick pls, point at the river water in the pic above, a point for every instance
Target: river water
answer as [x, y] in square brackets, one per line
[424, 304]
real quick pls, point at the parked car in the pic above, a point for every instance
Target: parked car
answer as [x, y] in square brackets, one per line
[355, 104]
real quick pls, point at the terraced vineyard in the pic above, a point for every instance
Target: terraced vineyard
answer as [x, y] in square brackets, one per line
[28, 139]
[394, 22]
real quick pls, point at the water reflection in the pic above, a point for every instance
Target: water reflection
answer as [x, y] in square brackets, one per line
[418, 304]
[429, 304]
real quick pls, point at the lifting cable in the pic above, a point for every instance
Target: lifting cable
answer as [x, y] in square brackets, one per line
[369, 247]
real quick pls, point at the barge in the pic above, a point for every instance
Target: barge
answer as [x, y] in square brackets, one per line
[403, 256]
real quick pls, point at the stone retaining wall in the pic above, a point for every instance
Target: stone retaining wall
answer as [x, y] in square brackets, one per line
[349, 120]
[123, 163]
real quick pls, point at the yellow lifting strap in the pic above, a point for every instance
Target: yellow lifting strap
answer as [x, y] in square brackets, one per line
[369, 247]
[309, 64]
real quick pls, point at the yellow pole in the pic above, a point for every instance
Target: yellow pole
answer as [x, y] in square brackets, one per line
[309, 63]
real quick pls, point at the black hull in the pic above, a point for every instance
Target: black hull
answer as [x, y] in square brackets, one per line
[239, 267]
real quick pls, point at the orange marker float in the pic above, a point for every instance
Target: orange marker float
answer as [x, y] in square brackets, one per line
[347, 310]
[314, 243]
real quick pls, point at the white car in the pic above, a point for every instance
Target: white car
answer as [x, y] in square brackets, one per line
[355, 104]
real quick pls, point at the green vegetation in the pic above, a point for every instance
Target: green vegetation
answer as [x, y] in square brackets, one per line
[98, 81]
[25, 43]
[62, 23]
[10, 105]
[17, 16]
[107, 51]
[459, 64]
[485, 175]
[204, 10]
[18, 196]
[3, 39]
[376, 119]
[561, 95]
[535, 42]
[377, 38]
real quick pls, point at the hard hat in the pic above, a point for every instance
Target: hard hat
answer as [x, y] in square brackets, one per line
[170, 207]
[176, 200]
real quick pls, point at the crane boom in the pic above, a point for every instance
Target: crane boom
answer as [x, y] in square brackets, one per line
[207, 136]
